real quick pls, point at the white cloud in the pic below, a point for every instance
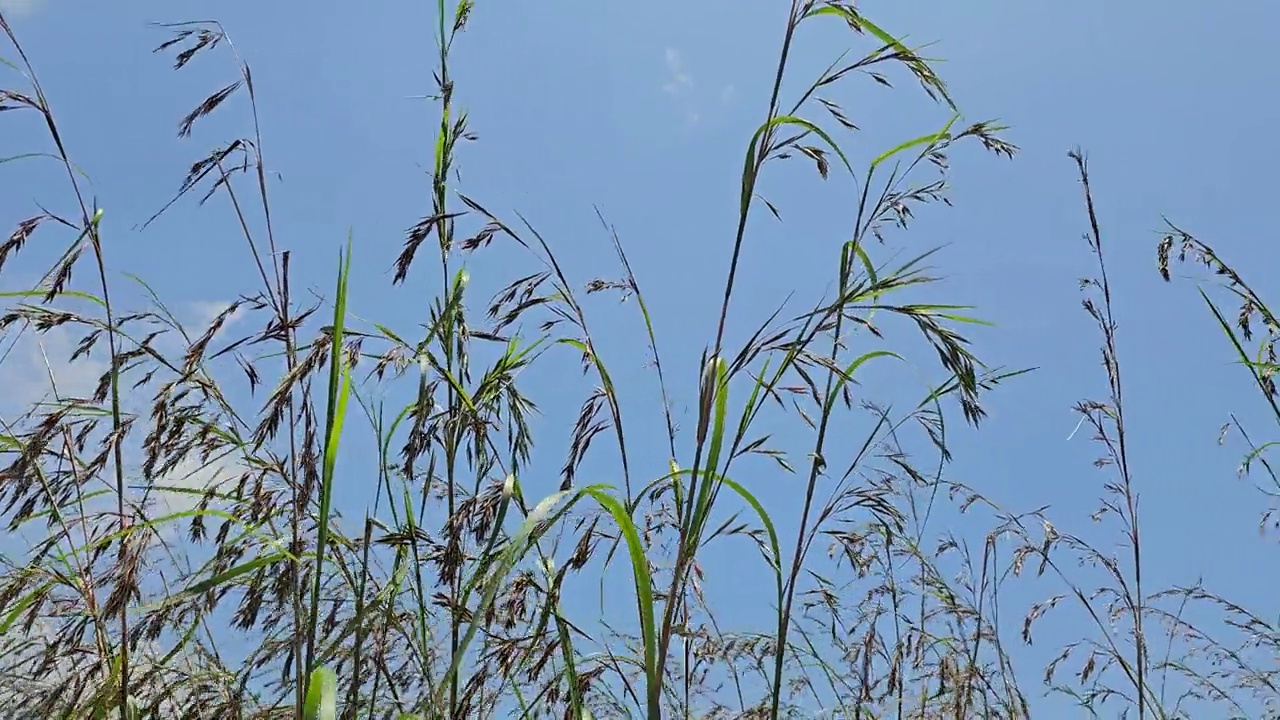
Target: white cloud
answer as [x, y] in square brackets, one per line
[189, 479]
[192, 474]
[35, 367]
[16, 690]
[680, 85]
[679, 82]
[204, 312]
[18, 8]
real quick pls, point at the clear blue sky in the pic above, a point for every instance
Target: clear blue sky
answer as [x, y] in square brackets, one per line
[645, 109]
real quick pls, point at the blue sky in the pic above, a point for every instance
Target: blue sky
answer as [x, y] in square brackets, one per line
[645, 109]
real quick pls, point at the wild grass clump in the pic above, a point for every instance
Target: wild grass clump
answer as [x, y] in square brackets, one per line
[188, 556]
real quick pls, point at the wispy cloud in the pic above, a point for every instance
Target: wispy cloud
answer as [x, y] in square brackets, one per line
[37, 369]
[680, 85]
[679, 81]
[19, 8]
[204, 312]
[181, 489]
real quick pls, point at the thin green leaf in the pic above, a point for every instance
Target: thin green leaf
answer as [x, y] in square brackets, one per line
[930, 139]
[339, 392]
[227, 576]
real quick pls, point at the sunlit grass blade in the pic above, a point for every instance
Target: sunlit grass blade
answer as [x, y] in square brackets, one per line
[77, 294]
[322, 695]
[644, 598]
[714, 409]
[539, 520]
[1243, 354]
[237, 571]
[335, 414]
[929, 140]
[749, 170]
[849, 371]
[18, 607]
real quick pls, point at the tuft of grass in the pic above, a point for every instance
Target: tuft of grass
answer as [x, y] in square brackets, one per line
[196, 551]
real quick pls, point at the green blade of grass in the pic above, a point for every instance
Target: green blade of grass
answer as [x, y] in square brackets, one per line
[1242, 353]
[227, 576]
[930, 139]
[322, 695]
[339, 392]
[18, 607]
[543, 516]
[644, 597]
[749, 163]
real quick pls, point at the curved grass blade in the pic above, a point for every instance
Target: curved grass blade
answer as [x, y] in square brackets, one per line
[543, 516]
[644, 596]
[750, 168]
[930, 139]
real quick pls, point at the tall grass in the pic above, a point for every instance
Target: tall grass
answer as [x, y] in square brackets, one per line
[248, 595]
